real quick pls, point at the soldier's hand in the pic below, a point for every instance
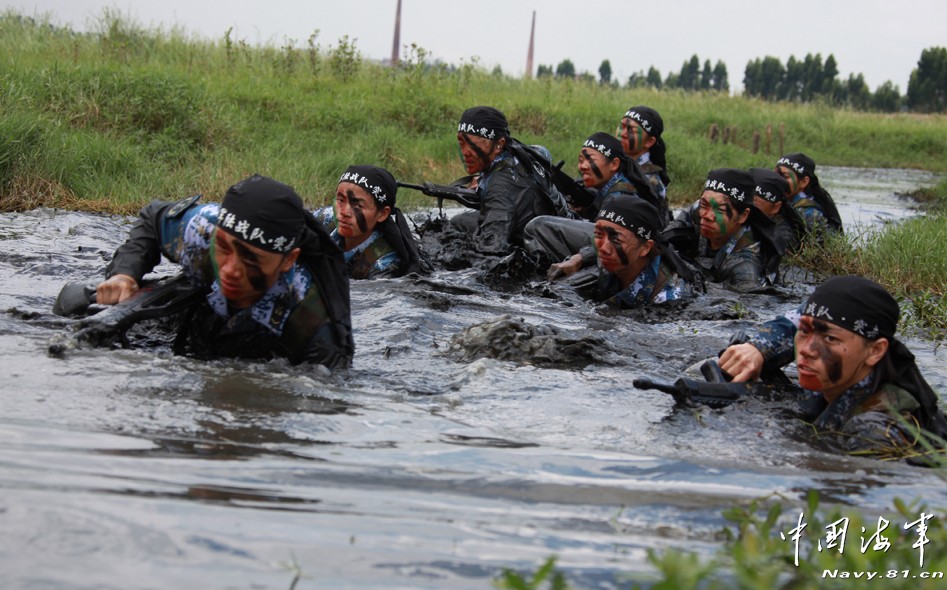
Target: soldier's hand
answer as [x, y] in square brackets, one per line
[565, 268]
[115, 289]
[743, 361]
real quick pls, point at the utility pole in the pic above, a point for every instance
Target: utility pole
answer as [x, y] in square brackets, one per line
[529, 55]
[396, 45]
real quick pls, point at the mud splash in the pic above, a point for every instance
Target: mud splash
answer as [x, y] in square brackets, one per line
[456, 446]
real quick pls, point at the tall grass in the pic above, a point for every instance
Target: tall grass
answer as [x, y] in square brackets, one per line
[114, 118]
[123, 115]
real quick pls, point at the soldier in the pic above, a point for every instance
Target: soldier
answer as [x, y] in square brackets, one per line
[511, 182]
[867, 393]
[275, 282]
[807, 196]
[367, 226]
[729, 239]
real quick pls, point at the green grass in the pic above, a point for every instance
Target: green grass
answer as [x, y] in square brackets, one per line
[122, 115]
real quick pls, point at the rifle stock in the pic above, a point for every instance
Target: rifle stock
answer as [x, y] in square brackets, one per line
[465, 196]
[692, 392]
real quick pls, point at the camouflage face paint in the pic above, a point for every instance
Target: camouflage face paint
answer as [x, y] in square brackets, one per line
[588, 158]
[791, 178]
[254, 273]
[721, 212]
[613, 239]
[484, 158]
[831, 361]
[357, 212]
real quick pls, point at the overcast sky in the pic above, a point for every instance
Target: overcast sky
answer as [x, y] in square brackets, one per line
[881, 39]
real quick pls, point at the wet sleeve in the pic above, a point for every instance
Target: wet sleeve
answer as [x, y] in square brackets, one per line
[325, 349]
[742, 271]
[142, 251]
[775, 339]
[496, 232]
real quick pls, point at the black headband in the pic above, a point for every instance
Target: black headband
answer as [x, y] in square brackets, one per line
[856, 304]
[606, 144]
[484, 121]
[735, 183]
[378, 182]
[632, 213]
[800, 163]
[264, 213]
[648, 118]
[770, 185]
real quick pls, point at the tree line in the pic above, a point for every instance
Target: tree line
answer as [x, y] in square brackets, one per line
[799, 80]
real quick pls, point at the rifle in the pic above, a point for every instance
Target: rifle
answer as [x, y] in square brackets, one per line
[715, 391]
[467, 197]
[108, 323]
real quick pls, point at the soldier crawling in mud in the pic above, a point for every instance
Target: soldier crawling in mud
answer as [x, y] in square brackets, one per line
[808, 197]
[605, 172]
[640, 131]
[867, 393]
[275, 282]
[729, 239]
[366, 225]
[509, 180]
[636, 266]
[771, 198]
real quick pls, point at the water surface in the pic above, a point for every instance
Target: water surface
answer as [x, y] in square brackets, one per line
[419, 468]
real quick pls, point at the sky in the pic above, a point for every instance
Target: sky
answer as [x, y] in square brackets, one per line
[880, 39]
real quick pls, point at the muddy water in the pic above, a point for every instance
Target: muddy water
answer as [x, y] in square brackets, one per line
[425, 466]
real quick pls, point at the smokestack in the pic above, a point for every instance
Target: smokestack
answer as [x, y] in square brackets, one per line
[529, 56]
[396, 45]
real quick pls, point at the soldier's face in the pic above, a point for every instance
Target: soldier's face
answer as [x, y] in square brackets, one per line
[719, 219]
[246, 272]
[767, 207]
[595, 168]
[357, 213]
[831, 359]
[634, 139]
[797, 184]
[618, 247]
[477, 152]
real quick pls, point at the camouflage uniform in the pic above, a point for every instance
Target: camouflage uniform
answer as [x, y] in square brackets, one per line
[558, 238]
[656, 283]
[738, 265]
[869, 418]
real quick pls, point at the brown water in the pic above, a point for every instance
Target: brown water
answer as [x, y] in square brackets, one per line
[419, 468]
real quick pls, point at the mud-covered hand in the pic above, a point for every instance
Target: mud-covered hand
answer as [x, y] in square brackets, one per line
[115, 289]
[743, 361]
[565, 268]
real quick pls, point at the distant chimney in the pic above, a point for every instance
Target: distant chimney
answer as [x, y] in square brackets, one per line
[529, 56]
[396, 45]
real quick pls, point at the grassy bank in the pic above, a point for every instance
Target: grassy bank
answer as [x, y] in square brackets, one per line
[109, 120]
[112, 119]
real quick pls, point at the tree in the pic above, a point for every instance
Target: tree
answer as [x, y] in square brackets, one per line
[690, 74]
[706, 76]
[887, 98]
[637, 80]
[605, 72]
[565, 69]
[829, 75]
[794, 80]
[720, 82]
[857, 93]
[543, 71]
[927, 88]
[772, 78]
[654, 78]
